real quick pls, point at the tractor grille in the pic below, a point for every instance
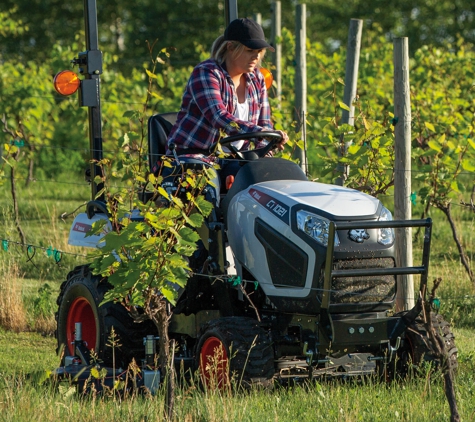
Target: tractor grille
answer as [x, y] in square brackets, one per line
[287, 263]
[363, 289]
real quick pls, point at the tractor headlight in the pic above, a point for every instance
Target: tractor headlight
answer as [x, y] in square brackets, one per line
[386, 235]
[315, 226]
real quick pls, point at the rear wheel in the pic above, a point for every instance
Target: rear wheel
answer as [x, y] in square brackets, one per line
[234, 351]
[78, 301]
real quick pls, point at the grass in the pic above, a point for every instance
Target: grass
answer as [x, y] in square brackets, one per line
[26, 356]
[25, 396]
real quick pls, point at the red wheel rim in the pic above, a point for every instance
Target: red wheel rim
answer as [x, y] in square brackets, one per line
[81, 311]
[214, 363]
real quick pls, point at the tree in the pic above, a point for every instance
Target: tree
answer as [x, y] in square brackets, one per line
[125, 27]
[146, 259]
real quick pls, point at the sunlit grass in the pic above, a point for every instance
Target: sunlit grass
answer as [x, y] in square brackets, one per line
[26, 398]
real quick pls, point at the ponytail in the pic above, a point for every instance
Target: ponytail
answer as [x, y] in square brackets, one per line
[218, 49]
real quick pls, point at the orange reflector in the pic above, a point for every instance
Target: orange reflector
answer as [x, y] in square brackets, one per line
[229, 181]
[66, 82]
[268, 78]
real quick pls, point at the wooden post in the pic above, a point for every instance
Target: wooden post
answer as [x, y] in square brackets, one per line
[258, 18]
[402, 170]
[301, 80]
[276, 33]
[351, 80]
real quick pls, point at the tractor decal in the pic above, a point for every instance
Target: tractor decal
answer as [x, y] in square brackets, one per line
[81, 227]
[279, 209]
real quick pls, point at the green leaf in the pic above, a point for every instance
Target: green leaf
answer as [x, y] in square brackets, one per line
[171, 213]
[354, 148]
[195, 220]
[177, 201]
[95, 373]
[160, 80]
[188, 235]
[468, 166]
[150, 74]
[429, 126]
[177, 260]
[151, 178]
[169, 293]
[205, 207]
[434, 145]
[343, 106]
[163, 192]
[97, 227]
[454, 186]
[129, 114]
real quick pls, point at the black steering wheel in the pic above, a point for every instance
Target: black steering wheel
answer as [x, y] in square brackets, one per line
[273, 137]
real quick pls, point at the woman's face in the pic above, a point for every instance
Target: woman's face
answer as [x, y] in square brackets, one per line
[246, 61]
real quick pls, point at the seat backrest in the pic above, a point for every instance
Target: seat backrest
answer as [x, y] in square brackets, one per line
[159, 127]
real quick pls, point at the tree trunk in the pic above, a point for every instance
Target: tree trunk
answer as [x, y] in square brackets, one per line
[15, 206]
[31, 166]
[463, 256]
[161, 319]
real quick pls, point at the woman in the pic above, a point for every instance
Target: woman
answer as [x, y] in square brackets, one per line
[226, 93]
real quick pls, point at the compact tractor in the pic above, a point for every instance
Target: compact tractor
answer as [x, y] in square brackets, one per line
[318, 259]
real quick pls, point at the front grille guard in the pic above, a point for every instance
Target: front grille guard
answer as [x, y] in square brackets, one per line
[331, 272]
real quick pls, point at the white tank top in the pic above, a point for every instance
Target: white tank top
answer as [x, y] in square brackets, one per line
[242, 113]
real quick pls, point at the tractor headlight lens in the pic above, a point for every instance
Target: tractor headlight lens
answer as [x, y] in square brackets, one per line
[386, 235]
[315, 226]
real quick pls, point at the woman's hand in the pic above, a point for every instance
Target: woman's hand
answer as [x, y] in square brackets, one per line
[285, 138]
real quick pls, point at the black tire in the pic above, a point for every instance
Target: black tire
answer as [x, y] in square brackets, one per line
[418, 350]
[245, 355]
[78, 301]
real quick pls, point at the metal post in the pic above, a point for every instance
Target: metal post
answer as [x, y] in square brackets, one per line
[301, 78]
[402, 170]
[91, 67]
[276, 34]
[352, 66]
[230, 11]
[351, 79]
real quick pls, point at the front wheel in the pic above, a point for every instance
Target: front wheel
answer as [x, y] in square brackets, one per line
[234, 351]
[418, 350]
[421, 351]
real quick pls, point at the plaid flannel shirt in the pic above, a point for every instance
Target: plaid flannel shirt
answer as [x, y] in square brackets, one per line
[208, 106]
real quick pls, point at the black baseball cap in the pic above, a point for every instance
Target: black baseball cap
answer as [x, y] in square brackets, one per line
[247, 32]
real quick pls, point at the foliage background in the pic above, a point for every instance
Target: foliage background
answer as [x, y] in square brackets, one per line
[51, 131]
[124, 26]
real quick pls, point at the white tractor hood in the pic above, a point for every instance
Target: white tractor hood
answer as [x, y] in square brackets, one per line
[335, 200]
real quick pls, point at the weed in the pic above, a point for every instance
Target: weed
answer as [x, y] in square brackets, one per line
[12, 311]
[43, 311]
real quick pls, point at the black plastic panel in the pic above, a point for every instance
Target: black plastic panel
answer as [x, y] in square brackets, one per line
[287, 263]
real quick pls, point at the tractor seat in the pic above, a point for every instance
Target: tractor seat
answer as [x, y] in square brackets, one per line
[159, 127]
